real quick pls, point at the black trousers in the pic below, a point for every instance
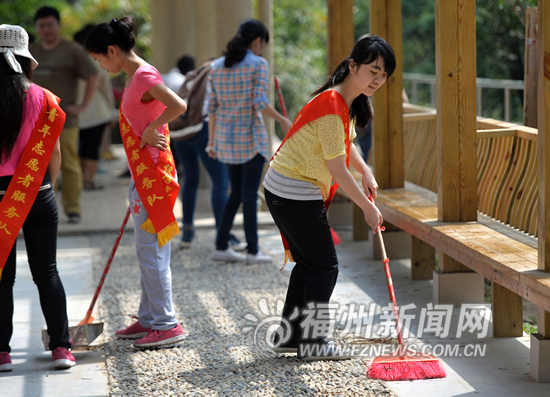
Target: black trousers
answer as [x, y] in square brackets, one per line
[305, 226]
[40, 232]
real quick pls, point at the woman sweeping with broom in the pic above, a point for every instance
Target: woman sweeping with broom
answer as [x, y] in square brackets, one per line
[147, 106]
[316, 150]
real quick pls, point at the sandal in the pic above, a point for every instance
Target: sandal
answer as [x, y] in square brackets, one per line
[92, 186]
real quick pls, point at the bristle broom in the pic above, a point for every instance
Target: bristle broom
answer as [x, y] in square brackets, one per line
[405, 368]
[403, 364]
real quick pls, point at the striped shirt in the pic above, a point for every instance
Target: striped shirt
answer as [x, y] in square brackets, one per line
[238, 95]
[290, 188]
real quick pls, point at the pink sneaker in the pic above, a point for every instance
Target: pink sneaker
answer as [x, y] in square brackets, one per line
[156, 338]
[5, 362]
[134, 331]
[62, 358]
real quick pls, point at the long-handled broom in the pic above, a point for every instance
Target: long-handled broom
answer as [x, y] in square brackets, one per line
[403, 364]
[86, 331]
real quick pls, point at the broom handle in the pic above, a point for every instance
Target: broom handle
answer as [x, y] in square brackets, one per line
[88, 316]
[280, 95]
[389, 283]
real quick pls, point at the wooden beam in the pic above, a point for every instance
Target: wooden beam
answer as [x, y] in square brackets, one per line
[340, 32]
[507, 308]
[543, 50]
[456, 110]
[385, 21]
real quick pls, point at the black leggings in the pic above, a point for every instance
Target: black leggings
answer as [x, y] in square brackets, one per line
[40, 231]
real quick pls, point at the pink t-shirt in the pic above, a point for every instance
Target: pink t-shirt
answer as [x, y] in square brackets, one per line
[32, 105]
[142, 114]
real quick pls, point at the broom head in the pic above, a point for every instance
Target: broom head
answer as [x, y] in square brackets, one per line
[406, 365]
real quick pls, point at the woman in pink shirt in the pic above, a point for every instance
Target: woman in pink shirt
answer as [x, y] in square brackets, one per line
[20, 107]
[148, 105]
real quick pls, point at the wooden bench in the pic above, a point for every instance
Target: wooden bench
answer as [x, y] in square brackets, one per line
[501, 246]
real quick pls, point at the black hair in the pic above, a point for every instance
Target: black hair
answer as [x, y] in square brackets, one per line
[44, 12]
[12, 87]
[248, 31]
[367, 50]
[80, 36]
[186, 63]
[117, 32]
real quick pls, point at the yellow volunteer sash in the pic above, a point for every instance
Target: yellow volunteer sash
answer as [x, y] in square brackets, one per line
[328, 102]
[29, 174]
[156, 183]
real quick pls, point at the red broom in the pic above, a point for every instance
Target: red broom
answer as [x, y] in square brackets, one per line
[335, 236]
[88, 319]
[402, 364]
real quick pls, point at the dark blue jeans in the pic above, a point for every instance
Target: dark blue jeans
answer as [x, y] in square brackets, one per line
[40, 231]
[189, 152]
[245, 181]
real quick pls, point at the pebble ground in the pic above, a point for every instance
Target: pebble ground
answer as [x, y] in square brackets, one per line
[226, 311]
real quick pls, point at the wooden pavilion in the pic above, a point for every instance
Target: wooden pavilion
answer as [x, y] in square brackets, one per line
[468, 249]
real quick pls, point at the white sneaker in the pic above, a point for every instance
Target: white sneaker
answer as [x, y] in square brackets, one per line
[260, 257]
[229, 255]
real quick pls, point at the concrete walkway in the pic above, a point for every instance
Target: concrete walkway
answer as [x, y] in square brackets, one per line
[33, 373]
[503, 370]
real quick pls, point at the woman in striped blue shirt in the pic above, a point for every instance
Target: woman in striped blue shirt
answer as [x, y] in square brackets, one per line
[239, 83]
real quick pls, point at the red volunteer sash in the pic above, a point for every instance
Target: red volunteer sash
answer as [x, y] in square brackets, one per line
[328, 102]
[156, 183]
[29, 174]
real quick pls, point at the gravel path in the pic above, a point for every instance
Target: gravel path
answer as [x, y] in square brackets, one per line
[219, 306]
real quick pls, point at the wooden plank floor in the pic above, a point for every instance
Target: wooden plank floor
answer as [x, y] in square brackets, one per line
[490, 248]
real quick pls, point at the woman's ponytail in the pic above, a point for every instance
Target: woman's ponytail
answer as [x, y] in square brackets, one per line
[118, 32]
[236, 50]
[248, 32]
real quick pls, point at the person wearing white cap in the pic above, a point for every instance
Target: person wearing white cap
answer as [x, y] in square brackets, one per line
[31, 121]
[62, 64]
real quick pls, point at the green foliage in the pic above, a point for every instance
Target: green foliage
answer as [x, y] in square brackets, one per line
[81, 12]
[529, 328]
[300, 49]
[500, 38]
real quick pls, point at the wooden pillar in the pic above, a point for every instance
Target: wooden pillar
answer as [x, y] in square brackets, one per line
[340, 32]
[543, 52]
[455, 47]
[530, 92]
[163, 44]
[456, 115]
[456, 110]
[385, 21]
[229, 15]
[265, 14]
[204, 31]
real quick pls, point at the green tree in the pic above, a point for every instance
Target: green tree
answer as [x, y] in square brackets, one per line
[300, 49]
[81, 12]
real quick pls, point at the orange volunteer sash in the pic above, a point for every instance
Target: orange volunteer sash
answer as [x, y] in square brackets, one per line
[29, 174]
[328, 102]
[156, 183]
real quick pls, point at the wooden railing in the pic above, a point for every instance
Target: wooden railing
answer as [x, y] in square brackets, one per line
[506, 165]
